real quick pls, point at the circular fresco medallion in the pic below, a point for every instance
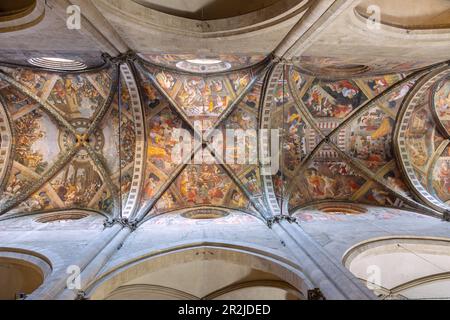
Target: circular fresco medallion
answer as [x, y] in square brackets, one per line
[95, 140]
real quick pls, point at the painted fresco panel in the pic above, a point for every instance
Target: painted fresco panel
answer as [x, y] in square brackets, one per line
[75, 97]
[420, 137]
[332, 180]
[335, 99]
[160, 145]
[78, 183]
[202, 98]
[441, 103]
[19, 180]
[376, 85]
[15, 100]
[37, 82]
[370, 138]
[203, 184]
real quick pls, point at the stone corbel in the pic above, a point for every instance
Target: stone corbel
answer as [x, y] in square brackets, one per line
[446, 216]
[275, 219]
[123, 57]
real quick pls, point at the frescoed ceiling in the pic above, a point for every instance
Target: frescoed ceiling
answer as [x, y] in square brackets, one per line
[424, 140]
[60, 142]
[140, 138]
[192, 62]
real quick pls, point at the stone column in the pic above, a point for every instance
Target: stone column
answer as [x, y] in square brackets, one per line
[333, 279]
[57, 282]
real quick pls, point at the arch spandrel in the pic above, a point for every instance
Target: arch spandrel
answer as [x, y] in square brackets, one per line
[439, 177]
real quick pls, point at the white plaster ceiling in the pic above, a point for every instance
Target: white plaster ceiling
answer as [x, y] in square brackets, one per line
[206, 9]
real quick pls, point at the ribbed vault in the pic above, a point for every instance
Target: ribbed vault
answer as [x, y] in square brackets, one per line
[103, 139]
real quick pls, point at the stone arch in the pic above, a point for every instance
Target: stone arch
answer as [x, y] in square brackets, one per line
[241, 268]
[21, 272]
[402, 267]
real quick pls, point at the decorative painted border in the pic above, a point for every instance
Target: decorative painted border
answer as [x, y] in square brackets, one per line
[411, 102]
[138, 171]
[264, 144]
[63, 158]
[6, 142]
